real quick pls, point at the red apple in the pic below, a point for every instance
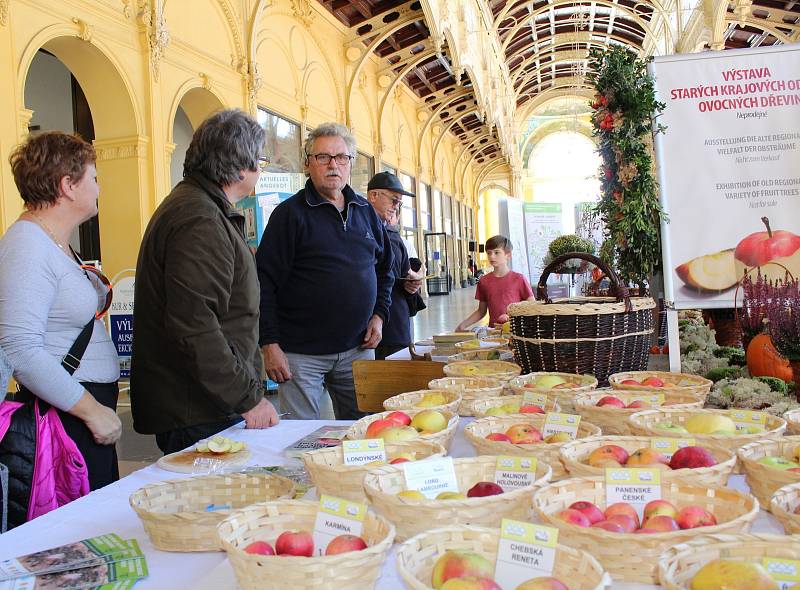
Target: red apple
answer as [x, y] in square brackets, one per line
[376, 426]
[690, 517]
[661, 523]
[259, 548]
[589, 510]
[470, 583]
[692, 457]
[610, 400]
[401, 418]
[601, 455]
[626, 522]
[531, 409]
[630, 382]
[638, 403]
[647, 457]
[498, 436]
[295, 543]
[797, 509]
[484, 488]
[543, 583]
[460, 564]
[622, 508]
[574, 517]
[653, 382]
[344, 544]
[523, 434]
[399, 460]
[607, 525]
[659, 508]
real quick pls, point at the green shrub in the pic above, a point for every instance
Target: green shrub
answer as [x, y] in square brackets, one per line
[721, 373]
[774, 383]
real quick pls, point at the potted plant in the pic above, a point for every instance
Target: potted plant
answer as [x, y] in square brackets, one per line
[565, 245]
[783, 322]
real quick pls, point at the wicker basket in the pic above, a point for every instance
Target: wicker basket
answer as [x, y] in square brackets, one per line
[575, 453]
[631, 557]
[476, 432]
[644, 424]
[684, 382]
[408, 401]
[332, 477]
[175, 516]
[763, 480]
[417, 556]
[584, 335]
[355, 570]
[792, 418]
[501, 370]
[358, 430]
[482, 344]
[412, 517]
[480, 406]
[614, 420]
[470, 389]
[564, 397]
[492, 354]
[783, 504]
[678, 565]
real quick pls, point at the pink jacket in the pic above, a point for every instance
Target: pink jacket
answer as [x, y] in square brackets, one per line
[60, 473]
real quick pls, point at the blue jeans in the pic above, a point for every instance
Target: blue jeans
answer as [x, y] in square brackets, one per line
[312, 375]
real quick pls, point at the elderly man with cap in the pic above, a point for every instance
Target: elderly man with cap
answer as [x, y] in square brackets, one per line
[385, 194]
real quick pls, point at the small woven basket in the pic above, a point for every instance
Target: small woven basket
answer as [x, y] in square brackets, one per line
[631, 557]
[501, 370]
[481, 406]
[792, 418]
[574, 455]
[783, 504]
[354, 570]
[408, 401]
[492, 354]
[614, 420]
[332, 477]
[358, 430]
[678, 565]
[763, 480]
[644, 424]
[176, 516]
[482, 344]
[412, 517]
[470, 389]
[684, 382]
[417, 556]
[476, 432]
[522, 384]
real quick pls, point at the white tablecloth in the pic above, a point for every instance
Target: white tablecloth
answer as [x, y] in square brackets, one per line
[107, 510]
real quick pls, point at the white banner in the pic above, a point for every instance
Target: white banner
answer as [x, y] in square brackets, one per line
[543, 224]
[730, 157]
[512, 225]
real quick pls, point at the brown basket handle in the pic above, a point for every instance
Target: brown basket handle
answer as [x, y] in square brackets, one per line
[619, 290]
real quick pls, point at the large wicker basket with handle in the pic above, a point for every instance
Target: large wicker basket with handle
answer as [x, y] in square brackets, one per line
[584, 335]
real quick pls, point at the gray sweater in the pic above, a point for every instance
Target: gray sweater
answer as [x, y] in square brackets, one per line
[45, 300]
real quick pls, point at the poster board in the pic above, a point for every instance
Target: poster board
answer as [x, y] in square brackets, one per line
[271, 190]
[120, 320]
[543, 224]
[512, 225]
[730, 156]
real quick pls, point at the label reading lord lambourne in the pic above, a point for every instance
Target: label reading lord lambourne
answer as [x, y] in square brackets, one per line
[515, 472]
[525, 551]
[635, 486]
[555, 422]
[361, 452]
[784, 571]
[669, 446]
[431, 477]
[337, 516]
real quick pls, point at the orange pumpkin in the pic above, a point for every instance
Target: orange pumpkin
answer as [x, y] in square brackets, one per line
[764, 360]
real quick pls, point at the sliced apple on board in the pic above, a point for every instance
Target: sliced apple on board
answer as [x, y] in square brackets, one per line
[711, 272]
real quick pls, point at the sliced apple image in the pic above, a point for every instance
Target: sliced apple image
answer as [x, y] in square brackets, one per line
[770, 251]
[711, 272]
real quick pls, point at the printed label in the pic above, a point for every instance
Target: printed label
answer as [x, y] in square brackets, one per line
[636, 486]
[431, 477]
[515, 472]
[525, 551]
[337, 516]
[361, 452]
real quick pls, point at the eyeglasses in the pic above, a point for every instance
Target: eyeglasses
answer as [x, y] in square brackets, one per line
[263, 163]
[91, 271]
[396, 203]
[325, 159]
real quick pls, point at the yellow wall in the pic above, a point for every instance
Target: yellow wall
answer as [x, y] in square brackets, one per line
[137, 61]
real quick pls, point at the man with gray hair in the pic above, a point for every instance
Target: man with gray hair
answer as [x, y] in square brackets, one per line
[325, 267]
[196, 365]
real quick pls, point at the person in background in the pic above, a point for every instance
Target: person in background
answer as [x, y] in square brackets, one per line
[47, 299]
[196, 365]
[498, 289]
[325, 266]
[385, 194]
[471, 266]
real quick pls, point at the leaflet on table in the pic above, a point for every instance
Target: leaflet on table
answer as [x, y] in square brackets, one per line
[105, 576]
[95, 550]
[323, 437]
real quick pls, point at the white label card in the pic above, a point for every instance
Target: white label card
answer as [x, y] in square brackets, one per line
[555, 422]
[536, 399]
[431, 477]
[515, 472]
[337, 516]
[525, 551]
[361, 452]
[636, 487]
[786, 572]
[669, 446]
[749, 422]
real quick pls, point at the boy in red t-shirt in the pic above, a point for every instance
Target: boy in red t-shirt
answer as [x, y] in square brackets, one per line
[498, 289]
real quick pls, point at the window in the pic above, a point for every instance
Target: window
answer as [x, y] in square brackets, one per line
[448, 214]
[362, 171]
[282, 145]
[437, 210]
[386, 168]
[409, 213]
[424, 198]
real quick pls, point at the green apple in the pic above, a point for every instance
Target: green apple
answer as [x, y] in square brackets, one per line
[549, 381]
[778, 463]
[752, 429]
[672, 427]
[496, 411]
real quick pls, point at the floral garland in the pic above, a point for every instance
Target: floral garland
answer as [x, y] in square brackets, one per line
[624, 109]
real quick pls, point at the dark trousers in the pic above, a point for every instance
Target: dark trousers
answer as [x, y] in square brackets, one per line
[176, 440]
[384, 350]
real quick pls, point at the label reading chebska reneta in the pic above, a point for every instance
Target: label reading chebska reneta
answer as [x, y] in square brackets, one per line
[525, 551]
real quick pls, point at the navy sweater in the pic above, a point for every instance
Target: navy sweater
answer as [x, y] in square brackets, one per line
[323, 273]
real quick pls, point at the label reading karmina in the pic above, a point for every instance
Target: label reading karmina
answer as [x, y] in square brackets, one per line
[784, 571]
[748, 422]
[531, 398]
[635, 486]
[515, 472]
[525, 551]
[431, 477]
[337, 516]
[669, 446]
[555, 422]
[361, 452]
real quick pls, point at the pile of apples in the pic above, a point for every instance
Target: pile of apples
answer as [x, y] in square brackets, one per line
[708, 424]
[514, 407]
[735, 575]
[399, 426]
[551, 382]
[615, 456]
[660, 516]
[466, 570]
[614, 402]
[301, 544]
[527, 434]
[479, 490]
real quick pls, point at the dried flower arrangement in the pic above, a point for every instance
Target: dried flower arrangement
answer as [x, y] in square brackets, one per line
[753, 394]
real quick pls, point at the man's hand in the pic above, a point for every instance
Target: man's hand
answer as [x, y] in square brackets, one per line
[412, 287]
[374, 332]
[263, 415]
[275, 363]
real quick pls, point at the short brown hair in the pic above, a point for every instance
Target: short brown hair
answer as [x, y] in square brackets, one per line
[499, 242]
[40, 162]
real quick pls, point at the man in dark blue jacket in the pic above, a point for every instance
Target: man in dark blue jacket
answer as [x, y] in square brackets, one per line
[325, 268]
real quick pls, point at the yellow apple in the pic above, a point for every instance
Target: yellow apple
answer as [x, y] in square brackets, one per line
[497, 411]
[723, 574]
[430, 400]
[558, 437]
[398, 433]
[549, 381]
[511, 407]
[411, 495]
[710, 424]
[429, 421]
[451, 496]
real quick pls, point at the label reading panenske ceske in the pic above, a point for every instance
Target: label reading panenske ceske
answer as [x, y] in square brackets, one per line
[636, 487]
[555, 422]
[431, 477]
[337, 516]
[512, 473]
[361, 452]
[525, 551]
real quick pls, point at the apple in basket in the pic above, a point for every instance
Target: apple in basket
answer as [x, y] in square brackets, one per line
[607, 525]
[460, 564]
[432, 399]
[726, 574]
[470, 583]
[484, 488]
[691, 517]
[543, 583]
[450, 496]
[638, 403]
[411, 495]
[630, 382]
[398, 433]
[295, 543]
[429, 422]
[669, 426]
[660, 508]
[692, 457]
[710, 424]
[647, 457]
[558, 437]
[531, 409]
[610, 400]
[375, 427]
[652, 382]
[523, 434]
[402, 458]
[589, 510]
[624, 509]
[344, 544]
[259, 548]
[627, 523]
[498, 436]
[575, 517]
[548, 381]
[602, 456]
[660, 524]
[401, 418]
[780, 463]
